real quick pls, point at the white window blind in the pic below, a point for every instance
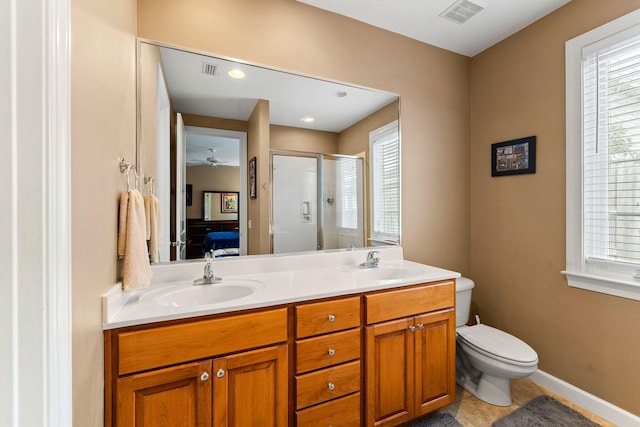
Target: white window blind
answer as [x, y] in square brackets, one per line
[611, 152]
[347, 192]
[385, 182]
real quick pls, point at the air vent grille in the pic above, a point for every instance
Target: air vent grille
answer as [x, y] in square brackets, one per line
[461, 11]
[208, 69]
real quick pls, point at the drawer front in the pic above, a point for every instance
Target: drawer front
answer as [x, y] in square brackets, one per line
[329, 316]
[327, 350]
[327, 384]
[169, 345]
[343, 412]
[407, 302]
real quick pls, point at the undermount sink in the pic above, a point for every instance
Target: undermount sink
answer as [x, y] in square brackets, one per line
[387, 273]
[225, 291]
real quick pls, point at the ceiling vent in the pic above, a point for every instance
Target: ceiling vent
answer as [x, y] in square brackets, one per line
[462, 10]
[208, 69]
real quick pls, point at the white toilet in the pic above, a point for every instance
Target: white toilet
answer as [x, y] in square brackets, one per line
[487, 358]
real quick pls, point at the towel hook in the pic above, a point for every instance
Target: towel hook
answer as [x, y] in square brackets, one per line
[137, 182]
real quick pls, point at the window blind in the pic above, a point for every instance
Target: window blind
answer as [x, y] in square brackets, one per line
[347, 192]
[385, 182]
[611, 153]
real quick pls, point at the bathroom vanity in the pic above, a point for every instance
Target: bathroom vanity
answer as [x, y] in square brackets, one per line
[320, 344]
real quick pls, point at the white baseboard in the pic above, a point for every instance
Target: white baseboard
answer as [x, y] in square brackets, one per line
[588, 401]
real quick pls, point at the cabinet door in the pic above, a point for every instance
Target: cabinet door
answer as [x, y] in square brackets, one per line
[250, 388]
[435, 361]
[389, 373]
[179, 396]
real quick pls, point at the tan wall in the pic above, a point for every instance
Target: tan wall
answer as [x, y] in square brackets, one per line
[297, 139]
[258, 213]
[355, 139]
[103, 128]
[205, 178]
[518, 223]
[432, 83]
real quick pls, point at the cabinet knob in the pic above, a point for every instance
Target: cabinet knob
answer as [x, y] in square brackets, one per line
[204, 376]
[331, 352]
[331, 318]
[331, 386]
[412, 328]
[220, 373]
[420, 326]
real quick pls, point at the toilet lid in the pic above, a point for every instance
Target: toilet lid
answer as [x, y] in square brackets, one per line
[498, 343]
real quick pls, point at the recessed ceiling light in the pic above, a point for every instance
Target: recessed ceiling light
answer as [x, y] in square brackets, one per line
[308, 119]
[236, 74]
[340, 93]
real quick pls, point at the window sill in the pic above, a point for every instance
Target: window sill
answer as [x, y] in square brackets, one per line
[620, 287]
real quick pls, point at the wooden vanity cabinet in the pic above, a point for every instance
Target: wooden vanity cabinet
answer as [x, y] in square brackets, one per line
[327, 363]
[409, 353]
[200, 373]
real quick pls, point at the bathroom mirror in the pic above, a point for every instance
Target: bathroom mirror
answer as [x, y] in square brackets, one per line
[194, 113]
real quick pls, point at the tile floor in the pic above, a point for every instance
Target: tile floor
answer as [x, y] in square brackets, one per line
[472, 412]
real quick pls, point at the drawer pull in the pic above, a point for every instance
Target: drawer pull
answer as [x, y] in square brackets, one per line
[331, 352]
[220, 373]
[331, 318]
[204, 376]
[331, 386]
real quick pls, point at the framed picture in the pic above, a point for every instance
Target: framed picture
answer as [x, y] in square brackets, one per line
[514, 157]
[229, 202]
[252, 178]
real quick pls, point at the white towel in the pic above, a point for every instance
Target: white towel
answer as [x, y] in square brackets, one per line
[133, 243]
[153, 227]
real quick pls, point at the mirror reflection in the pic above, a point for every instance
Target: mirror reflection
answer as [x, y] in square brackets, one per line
[200, 127]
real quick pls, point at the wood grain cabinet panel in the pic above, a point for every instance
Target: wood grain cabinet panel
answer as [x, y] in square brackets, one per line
[176, 396]
[328, 316]
[342, 412]
[327, 350]
[327, 384]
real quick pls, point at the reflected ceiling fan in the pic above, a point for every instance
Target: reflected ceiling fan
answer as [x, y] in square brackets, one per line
[211, 161]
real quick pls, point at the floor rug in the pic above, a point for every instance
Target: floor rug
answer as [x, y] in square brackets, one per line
[544, 411]
[439, 420]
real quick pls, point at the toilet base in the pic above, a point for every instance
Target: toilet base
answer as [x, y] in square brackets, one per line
[490, 389]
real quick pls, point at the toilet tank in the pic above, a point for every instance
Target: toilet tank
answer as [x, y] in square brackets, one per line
[463, 300]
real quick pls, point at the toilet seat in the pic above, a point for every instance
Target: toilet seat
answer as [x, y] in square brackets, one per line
[498, 344]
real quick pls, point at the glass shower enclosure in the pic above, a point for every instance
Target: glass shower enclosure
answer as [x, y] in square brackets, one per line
[317, 201]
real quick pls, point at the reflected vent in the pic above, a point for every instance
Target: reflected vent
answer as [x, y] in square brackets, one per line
[208, 69]
[462, 10]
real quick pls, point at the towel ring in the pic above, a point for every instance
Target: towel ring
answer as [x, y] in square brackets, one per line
[137, 183]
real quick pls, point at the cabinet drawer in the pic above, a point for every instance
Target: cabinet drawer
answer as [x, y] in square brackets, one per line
[327, 384]
[407, 302]
[329, 316]
[327, 350]
[168, 345]
[343, 412]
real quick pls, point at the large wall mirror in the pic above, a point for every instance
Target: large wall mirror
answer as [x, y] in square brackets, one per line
[203, 121]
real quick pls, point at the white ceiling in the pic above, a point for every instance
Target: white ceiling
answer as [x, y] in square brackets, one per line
[420, 20]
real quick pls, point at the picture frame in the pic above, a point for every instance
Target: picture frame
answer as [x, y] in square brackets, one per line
[514, 157]
[252, 178]
[229, 202]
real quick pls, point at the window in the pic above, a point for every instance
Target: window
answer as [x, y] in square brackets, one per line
[347, 192]
[603, 158]
[384, 149]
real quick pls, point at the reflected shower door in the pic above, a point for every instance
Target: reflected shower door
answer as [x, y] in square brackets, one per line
[294, 203]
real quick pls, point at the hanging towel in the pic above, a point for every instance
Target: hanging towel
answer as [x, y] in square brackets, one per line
[153, 222]
[132, 239]
[147, 216]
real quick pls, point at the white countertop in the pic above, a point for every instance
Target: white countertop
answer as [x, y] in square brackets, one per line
[281, 279]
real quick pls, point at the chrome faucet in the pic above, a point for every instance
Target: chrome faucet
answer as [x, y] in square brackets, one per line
[208, 276]
[371, 261]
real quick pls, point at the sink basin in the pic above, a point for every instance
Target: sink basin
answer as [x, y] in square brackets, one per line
[387, 273]
[191, 296]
